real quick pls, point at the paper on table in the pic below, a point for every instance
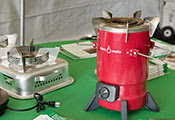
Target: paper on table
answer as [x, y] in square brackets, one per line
[170, 60]
[164, 46]
[43, 117]
[51, 115]
[81, 51]
[165, 52]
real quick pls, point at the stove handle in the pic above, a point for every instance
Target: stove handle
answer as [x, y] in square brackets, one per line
[147, 56]
[135, 52]
[154, 60]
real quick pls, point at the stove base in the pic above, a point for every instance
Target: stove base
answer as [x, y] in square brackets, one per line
[29, 96]
[41, 78]
[150, 104]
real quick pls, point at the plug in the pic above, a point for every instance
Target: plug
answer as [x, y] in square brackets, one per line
[54, 104]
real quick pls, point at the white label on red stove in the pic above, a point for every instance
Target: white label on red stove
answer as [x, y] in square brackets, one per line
[109, 50]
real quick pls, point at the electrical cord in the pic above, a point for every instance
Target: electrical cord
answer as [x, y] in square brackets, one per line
[40, 104]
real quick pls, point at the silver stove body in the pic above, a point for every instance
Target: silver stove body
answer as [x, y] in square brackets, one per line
[41, 78]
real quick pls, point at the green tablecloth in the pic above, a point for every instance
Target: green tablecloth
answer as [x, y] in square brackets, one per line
[74, 98]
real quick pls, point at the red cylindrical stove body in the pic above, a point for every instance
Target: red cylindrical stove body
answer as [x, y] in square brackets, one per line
[118, 65]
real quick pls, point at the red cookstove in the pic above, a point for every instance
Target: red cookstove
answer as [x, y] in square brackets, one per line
[122, 65]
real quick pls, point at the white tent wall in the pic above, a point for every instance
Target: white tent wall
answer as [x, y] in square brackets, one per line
[57, 20]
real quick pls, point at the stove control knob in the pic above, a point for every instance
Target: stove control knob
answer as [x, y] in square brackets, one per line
[104, 92]
[107, 92]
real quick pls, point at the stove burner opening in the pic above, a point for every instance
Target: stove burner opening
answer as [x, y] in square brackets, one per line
[124, 21]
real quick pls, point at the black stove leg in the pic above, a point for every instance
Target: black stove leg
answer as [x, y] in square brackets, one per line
[92, 104]
[151, 104]
[124, 109]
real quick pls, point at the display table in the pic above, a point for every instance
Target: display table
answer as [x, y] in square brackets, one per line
[75, 97]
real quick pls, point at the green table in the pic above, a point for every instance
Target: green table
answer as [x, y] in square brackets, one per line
[74, 98]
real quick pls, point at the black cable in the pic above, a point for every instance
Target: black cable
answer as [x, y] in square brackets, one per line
[40, 104]
[22, 109]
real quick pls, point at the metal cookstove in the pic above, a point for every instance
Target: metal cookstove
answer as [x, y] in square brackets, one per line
[122, 64]
[29, 69]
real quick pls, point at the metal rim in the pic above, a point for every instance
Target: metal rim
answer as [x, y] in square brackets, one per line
[119, 25]
[27, 55]
[124, 30]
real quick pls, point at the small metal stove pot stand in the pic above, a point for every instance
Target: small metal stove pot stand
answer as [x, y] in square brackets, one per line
[29, 69]
[122, 67]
